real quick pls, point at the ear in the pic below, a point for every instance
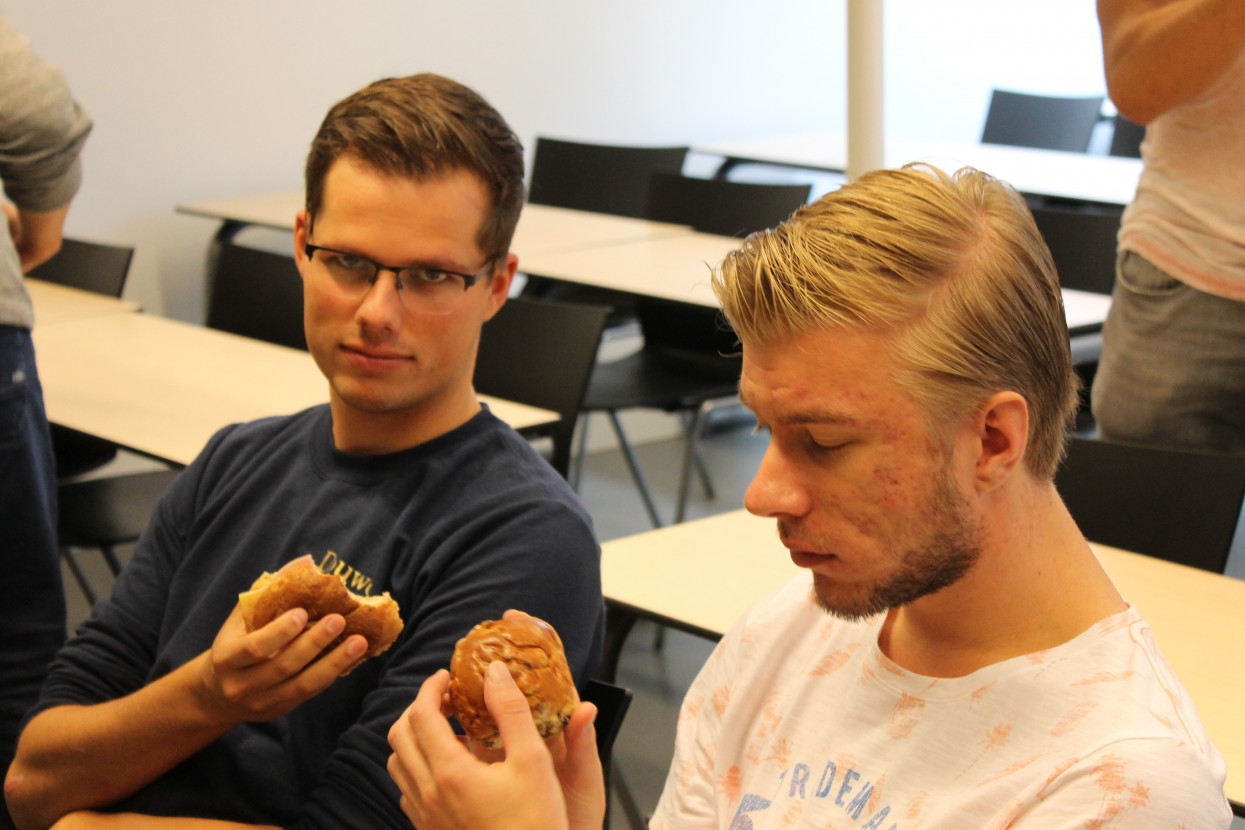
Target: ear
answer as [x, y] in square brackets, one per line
[1000, 434]
[302, 229]
[499, 288]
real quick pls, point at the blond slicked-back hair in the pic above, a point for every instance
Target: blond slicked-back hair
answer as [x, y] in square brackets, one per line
[952, 264]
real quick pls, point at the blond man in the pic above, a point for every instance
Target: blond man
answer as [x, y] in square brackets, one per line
[952, 655]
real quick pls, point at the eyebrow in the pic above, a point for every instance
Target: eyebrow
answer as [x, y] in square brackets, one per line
[810, 416]
[430, 265]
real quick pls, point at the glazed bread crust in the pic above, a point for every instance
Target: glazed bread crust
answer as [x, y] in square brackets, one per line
[533, 652]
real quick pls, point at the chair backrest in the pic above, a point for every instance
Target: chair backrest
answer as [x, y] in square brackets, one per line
[91, 266]
[612, 703]
[541, 353]
[1082, 242]
[1126, 138]
[723, 207]
[258, 294]
[694, 337]
[603, 178]
[1041, 121]
[1174, 504]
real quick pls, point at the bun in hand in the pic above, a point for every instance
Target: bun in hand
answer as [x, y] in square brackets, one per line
[300, 584]
[533, 652]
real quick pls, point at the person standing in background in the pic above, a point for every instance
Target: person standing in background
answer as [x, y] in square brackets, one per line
[1173, 363]
[42, 131]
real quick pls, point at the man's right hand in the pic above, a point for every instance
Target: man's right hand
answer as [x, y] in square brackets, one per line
[268, 672]
[80, 757]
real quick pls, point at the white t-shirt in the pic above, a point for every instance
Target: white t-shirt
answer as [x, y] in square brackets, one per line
[799, 720]
[1188, 216]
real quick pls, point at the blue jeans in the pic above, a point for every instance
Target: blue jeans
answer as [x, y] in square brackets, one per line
[1173, 363]
[32, 599]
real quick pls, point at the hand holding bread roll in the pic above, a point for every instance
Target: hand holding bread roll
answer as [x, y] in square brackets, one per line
[300, 584]
[532, 651]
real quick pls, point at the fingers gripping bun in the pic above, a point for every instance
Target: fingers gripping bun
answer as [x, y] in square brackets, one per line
[300, 584]
[533, 652]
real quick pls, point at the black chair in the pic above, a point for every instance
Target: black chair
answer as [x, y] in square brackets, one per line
[1126, 138]
[102, 269]
[258, 294]
[603, 178]
[689, 356]
[91, 266]
[1082, 242]
[104, 513]
[541, 353]
[1175, 504]
[726, 208]
[1041, 121]
[612, 703]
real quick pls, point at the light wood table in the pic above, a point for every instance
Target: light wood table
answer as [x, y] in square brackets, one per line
[701, 576]
[636, 256]
[1073, 176]
[679, 268]
[542, 229]
[672, 267]
[162, 388]
[61, 304]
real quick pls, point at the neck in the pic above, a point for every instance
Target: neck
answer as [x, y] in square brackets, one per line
[1035, 586]
[364, 432]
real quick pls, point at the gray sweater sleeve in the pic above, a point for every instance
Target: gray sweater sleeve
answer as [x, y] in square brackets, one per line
[42, 128]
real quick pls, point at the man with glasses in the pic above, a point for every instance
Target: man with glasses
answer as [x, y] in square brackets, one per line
[163, 706]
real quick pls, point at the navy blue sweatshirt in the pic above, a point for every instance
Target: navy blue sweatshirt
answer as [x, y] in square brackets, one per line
[457, 530]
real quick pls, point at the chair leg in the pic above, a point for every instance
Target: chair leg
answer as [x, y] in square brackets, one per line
[635, 817]
[578, 472]
[79, 575]
[110, 556]
[689, 456]
[634, 466]
[702, 471]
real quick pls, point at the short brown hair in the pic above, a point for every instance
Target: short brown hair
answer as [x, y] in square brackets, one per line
[952, 263]
[422, 126]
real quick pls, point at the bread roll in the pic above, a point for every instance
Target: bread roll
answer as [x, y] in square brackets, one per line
[300, 584]
[533, 652]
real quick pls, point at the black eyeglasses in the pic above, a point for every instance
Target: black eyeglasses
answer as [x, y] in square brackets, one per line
[420, 288]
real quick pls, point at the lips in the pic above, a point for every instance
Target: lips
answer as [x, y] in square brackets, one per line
[376, 359]
[808, 559]
[805, 557]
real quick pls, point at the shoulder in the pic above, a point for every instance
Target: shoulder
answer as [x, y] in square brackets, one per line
[491, 465]
[245, 450]
[262, 437]
[1150, 782]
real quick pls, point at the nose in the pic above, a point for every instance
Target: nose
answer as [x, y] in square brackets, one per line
[381, 307]
[776, 490]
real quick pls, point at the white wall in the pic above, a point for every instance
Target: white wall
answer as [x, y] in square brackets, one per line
[942, 58]
[198, 100]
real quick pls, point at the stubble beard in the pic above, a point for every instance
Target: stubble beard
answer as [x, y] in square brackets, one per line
[951, 547]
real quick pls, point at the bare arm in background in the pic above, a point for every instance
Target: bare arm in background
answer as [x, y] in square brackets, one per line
[36, 235]
[1159, 54]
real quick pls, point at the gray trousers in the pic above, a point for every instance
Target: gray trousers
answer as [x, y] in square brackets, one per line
[1173, 363]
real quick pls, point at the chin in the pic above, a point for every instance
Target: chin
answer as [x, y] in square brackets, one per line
[851, 603]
